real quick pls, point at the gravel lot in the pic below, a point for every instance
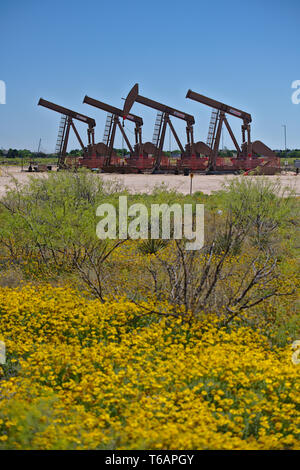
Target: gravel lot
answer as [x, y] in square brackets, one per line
[145, 183]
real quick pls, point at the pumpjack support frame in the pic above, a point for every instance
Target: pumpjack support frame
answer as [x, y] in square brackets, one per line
[223, 109]
[167, 111]
[116, 115]
[71, 115]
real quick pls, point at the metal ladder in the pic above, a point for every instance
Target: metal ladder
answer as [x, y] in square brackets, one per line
[212, 127]
[157, 127]
[107, 129]
[61, 134]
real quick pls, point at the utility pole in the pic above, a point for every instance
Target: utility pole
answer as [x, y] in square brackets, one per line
[284, 126]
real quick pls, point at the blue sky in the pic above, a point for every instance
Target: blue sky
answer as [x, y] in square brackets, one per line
[244, 53]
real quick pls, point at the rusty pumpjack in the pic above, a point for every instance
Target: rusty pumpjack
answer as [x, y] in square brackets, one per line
[104, 156]
[247, 149]
[163, 119]
[65, 130]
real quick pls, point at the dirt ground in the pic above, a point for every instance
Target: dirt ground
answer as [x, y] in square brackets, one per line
[145, 183]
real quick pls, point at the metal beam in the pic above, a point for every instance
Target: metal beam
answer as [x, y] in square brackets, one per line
[165, 109]
[77, 135]
[218, 105]
[112, 109]
[133, 96]
[176, 136]
[125, 137]
[67, 112]
[232, 135]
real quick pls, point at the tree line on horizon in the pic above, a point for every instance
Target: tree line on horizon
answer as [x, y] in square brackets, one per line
[28, 154]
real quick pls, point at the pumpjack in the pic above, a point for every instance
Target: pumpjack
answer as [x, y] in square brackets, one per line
[161, 161]
[104, 156]
[149, 156]
[64, 131]
[250, 155]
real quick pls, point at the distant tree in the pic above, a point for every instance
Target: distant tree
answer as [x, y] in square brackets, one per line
[39, 155]
[294, 154]
[121, 152]
[24, 153]
[226, 153]
[76, 152]
[12, 153]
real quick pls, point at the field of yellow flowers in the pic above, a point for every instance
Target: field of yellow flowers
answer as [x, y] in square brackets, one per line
[81, 374]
